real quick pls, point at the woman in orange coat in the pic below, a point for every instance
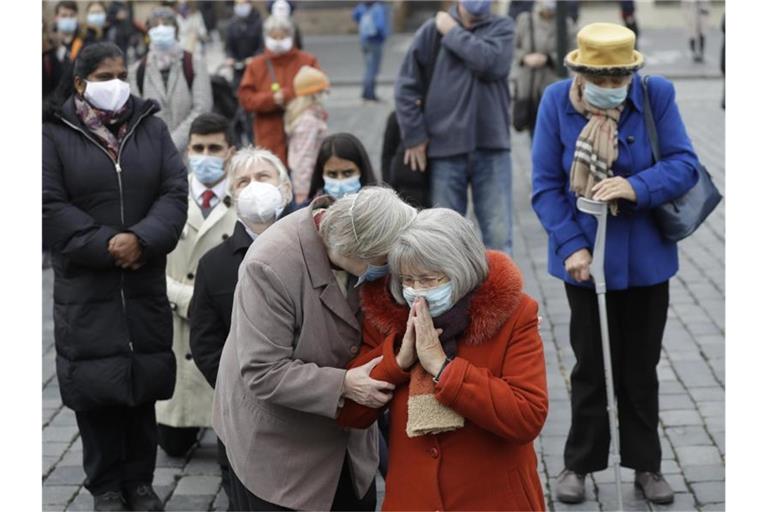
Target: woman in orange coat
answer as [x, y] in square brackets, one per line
[468, 365]
[267, 85]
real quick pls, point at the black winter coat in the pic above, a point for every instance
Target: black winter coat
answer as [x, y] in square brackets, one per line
[210, 311]
[113, 328]
[244, 37]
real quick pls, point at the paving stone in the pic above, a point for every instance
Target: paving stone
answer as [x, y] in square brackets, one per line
[670, 467]
[709, 492]
[66, 475]
[692, 435]
[607, 475]
[679, 401]
[679, 417]
[704, 473]
[714, 507]
[677, 483]
[82, 503]
[711, 409]
[671, 387]
[166, 461]
[58, 495]
[51, 449]
[165, 476]
[698, 455]
[164, 491]
[198, 485]
[586, 506]
[707, 394]
[221, 502]
[695, 374]
[59, 434]
[632, 498]
[682, 502]
[715, 423]
[188, 502]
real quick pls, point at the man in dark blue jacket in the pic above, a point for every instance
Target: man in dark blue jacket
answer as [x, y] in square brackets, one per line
[461, 123]
[372, 20]
[244, 37]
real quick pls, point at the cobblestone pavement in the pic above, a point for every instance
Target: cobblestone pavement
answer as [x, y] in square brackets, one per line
[691, 371]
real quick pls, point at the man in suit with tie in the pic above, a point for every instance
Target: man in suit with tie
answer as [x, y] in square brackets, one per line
[211, 218]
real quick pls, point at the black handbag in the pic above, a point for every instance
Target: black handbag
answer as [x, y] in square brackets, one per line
[524, 109]
[679, 218]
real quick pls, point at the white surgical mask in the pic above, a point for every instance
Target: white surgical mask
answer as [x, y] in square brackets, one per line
[259, 203]
[162, 37]
[242, 10]
[97, 19]
[278, 46]
[110, 95]
[439, 298]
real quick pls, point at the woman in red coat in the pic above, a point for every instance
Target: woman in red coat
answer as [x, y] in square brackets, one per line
[468, 365]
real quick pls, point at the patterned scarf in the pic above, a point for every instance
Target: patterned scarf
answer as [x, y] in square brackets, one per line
[97, 122]
[596, 147]
[425, 414]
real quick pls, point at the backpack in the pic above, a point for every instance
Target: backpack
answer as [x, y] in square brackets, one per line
[189, 72]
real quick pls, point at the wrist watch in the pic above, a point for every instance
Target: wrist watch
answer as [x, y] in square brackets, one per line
[436, 378]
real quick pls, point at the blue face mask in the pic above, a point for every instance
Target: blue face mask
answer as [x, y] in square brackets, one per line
[604, 97]
[372, 273]
[207, 169]
[340, 188]
[477, 8]
[162, 37]
[97, 19]
[66, 25]
[438, 298]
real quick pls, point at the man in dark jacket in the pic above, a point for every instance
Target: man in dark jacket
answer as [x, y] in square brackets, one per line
[463, 128]
[244, 37]
[111, 213]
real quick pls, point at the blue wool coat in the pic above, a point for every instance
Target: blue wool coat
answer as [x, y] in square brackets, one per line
[636, 252]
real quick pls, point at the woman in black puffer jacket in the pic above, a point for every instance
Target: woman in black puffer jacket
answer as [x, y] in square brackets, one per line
[114, 204]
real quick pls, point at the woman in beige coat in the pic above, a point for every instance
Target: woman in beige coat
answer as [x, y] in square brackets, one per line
[282, 377]
[175, 78]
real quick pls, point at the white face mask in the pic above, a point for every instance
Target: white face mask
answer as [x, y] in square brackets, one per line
[259, 203]
[110, 95]
[278, 46]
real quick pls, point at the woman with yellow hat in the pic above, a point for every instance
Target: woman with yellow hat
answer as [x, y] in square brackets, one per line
[591, 140]
[305, 127]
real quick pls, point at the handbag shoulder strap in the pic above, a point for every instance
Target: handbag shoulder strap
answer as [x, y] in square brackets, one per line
[430, 67]
[530, 28]
[650, 124]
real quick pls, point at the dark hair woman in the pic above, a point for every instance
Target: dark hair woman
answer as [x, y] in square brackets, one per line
[342, 167]
[114, 204]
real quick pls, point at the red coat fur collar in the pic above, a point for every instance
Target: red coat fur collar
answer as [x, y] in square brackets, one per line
[492, 303]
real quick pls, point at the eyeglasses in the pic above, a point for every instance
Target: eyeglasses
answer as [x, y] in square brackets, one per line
[424, 281]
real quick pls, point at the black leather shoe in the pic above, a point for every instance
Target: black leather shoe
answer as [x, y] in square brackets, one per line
[654, 487]
[110, 500]
[143, 497]
[570, 487]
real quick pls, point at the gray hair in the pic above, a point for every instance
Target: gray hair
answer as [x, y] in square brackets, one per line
[365, 224]
[165, 14]
[278, 23]
[441, 240]
[248, 156]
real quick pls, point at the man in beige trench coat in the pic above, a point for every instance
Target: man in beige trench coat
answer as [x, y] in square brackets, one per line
[211, 218]
[282, 378]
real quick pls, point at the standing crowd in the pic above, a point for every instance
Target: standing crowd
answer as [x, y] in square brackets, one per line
[328, 325]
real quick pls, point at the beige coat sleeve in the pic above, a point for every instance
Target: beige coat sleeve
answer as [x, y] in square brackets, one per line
[263, 323]
[179, 294]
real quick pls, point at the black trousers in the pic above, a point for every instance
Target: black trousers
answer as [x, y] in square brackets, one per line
[119, 446]
[636, 320]
[345, 499]
[176, 441]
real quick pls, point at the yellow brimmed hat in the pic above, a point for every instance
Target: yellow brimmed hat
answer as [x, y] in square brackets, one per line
[310, 80]
[605, 48]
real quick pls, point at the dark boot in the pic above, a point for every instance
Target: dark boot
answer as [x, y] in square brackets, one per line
[110, 500]
[654, 487]
[570, 487]
[143, 497]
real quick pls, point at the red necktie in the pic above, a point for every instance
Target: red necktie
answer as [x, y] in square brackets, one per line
[207, 195]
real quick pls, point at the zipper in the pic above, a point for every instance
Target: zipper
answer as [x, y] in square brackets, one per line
[119, 172]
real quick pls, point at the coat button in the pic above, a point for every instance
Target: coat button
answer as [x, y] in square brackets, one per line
[188, 356]
[174, 307]
[630, 139]
[190, 276]
[354, 350]
[434, 453]
[224, 236]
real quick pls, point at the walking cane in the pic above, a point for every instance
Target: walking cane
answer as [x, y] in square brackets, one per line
[599, 209]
